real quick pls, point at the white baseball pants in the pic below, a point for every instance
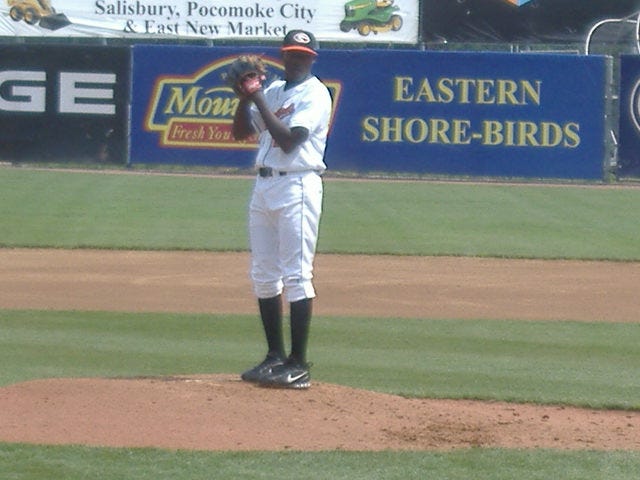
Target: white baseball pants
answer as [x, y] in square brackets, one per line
[284, 216]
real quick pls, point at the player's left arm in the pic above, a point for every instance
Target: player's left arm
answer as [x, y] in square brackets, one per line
[242, 126]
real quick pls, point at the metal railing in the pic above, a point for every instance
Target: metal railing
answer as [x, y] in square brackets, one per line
[631, 19]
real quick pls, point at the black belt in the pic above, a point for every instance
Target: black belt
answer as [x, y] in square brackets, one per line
[269, 172]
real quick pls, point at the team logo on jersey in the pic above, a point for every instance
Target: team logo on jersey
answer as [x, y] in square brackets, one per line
[196, 111]
[285, 111]
[634, 106]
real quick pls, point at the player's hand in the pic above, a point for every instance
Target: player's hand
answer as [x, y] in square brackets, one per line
[246, 75]
[250, 83]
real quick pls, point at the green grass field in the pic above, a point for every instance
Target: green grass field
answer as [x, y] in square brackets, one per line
[70, 210]
[575, 363]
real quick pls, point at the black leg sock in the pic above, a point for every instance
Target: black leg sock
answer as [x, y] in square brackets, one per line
[300, 322]
[271, 315]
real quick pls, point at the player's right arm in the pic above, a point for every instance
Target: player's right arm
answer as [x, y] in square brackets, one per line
[286, 138]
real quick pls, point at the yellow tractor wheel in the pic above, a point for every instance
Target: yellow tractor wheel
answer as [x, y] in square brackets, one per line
[16, 14]
[31, 16]
[396, 23]
[364, 29]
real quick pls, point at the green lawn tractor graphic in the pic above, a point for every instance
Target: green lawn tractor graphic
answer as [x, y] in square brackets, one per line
[36, 12]
[368, 16]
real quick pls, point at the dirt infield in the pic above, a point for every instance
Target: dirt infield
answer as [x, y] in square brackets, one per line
[218, 412]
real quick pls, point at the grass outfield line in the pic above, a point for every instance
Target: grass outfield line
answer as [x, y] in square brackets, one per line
[42, 208]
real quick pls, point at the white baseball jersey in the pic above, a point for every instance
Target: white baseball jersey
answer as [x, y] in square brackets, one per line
[285, 207]
[305, 105]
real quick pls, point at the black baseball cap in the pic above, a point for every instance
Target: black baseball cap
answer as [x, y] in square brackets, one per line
[300, 41]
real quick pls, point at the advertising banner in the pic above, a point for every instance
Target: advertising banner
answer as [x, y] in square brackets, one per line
[182, 110]
[481, 114]
[476, 114]
[61, 103]
[629, 125]
[385, 21]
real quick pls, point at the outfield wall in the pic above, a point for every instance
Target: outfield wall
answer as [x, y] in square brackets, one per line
[396, 111]
[64, 103]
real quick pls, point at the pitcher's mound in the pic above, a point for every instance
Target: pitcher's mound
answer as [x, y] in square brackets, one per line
[220, 412]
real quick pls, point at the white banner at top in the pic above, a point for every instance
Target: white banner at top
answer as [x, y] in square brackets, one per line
[370, 21]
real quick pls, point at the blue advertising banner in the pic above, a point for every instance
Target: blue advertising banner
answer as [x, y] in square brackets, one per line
[480, 114]
[182, 109]
[629, 126]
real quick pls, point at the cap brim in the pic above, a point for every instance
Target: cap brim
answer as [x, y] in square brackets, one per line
[299, 48]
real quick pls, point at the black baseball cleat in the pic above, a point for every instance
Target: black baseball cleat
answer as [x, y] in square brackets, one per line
[290, 374]
[257, 373]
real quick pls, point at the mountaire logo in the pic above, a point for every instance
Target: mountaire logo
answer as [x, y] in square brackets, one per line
[197, 111]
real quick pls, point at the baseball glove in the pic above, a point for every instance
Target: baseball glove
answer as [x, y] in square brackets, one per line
[246, 74]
